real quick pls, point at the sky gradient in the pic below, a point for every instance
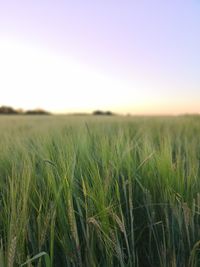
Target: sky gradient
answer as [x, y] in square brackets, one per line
[139, 57]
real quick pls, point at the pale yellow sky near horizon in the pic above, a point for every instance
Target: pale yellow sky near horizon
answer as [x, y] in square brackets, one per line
[35, 77]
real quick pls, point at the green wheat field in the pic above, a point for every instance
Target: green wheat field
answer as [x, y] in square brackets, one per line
[99, 191]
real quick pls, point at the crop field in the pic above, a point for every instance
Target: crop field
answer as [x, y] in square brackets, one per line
[99, 191]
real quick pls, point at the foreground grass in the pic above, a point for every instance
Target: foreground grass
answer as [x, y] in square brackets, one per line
[99, 191]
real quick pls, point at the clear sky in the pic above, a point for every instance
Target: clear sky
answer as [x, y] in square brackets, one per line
[139, 57]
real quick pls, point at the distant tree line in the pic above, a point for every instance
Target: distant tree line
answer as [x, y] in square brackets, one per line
[6, 110]
[105, 113]
[11, 111]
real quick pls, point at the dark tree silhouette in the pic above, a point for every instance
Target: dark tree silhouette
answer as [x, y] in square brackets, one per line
[100, 112]
[37, 112]
[7, 110]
